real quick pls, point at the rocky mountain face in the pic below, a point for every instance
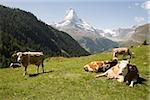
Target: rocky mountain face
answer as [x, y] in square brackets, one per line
[86, 35]
[117, 35]
[137, 34]
[141, 34]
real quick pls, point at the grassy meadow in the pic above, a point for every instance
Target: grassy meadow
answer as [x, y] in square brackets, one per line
[65, 79]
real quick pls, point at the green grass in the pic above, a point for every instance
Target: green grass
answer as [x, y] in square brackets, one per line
[66, 80]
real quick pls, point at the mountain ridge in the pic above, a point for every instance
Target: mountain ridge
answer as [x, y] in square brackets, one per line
[86, 35]
[140, 35]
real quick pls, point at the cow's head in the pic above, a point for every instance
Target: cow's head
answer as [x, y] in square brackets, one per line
[88, 68]
[123, 67]
[15, 65]
[17, 56]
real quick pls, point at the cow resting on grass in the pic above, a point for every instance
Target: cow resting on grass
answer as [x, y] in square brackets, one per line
[123, 51]
[27, 58]
[100, 66]
[123, 71]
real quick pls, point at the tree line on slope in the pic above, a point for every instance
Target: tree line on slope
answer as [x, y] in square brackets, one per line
[22, 31]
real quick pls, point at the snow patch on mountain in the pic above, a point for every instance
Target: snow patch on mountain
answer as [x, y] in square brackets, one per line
[71, 19]
[120, 34]
[86, 35]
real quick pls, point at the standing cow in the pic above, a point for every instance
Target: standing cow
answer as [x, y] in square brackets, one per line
[27, 58]
[123, 51]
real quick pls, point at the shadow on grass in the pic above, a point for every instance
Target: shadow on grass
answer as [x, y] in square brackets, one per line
[141, 80]
[34, 75]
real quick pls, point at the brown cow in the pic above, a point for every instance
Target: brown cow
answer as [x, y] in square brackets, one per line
[100, 66]
[123, 71]
[123, 51]
[27, 58]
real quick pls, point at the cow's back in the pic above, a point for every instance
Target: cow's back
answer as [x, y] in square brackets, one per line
[36, 59]
[120, 50]
[32, 58]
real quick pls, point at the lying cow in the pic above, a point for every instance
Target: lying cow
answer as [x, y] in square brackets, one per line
[123, 51]
[100, 66]
[123, 71]
[27, 58]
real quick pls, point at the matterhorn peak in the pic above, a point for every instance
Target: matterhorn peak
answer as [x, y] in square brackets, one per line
[71, 20]
[71, 15]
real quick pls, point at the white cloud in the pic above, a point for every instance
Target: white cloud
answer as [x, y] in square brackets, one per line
[137, 4]
[139, 19]
[134, 5]
[146, 5]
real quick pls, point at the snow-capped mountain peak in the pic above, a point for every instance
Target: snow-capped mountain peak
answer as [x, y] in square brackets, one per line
[86, 35]
[71, 15]
[71, 20]
[112, 32]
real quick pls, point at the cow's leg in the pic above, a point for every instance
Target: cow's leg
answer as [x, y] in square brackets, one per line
[130, 55]
[103, 74]
[127, 82]
[43, 67]
[120, 79]
[115, 54]
[37, 69]
[25, 71]
[132, 83]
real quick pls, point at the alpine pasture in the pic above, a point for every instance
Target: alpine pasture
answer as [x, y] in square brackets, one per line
[65, 79]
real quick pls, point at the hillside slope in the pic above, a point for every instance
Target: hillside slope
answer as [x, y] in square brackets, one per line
[22, 31]
[141, 34]
[65, 79]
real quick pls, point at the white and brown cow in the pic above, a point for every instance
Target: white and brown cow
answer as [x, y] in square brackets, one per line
[121, 51]
[27, 58]
[100, 66]
[123, 71]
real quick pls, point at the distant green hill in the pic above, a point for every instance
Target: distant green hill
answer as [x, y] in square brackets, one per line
[22, 31]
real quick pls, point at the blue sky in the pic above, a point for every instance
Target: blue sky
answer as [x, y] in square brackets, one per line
[99, 13]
